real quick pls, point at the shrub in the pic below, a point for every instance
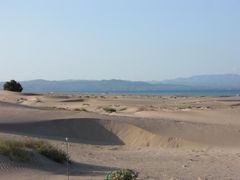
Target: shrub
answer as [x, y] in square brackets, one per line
[109, 109]
[80, 109]
[47, 150]
[15, 150]
[12, 86]
[52, 153]
[21, 150]
[123, 174]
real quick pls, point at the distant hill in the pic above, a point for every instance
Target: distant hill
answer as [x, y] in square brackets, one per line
[203, 82]
[222, 81]
[92, 86]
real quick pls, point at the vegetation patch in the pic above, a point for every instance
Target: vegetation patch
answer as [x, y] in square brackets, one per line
[74, 100]
[19, 150]
[15, 150]
[80, 109]
[12, 86]
[58, 108]
[109, 109]
[123, 174]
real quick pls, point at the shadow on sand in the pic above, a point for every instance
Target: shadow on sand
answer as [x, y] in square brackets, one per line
[81, 130]
[42, 164]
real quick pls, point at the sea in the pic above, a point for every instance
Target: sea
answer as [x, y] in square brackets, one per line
[170, 92]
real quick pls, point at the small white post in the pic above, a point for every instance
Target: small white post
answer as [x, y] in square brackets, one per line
[67, 157]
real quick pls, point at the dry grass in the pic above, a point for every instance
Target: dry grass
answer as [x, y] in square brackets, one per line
[109, 109]
[80, 109]
[19, 150]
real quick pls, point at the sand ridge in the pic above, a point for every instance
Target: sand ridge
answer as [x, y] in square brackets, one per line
[175, 137]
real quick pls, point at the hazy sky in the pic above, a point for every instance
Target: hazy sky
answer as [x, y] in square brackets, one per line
[118, 39]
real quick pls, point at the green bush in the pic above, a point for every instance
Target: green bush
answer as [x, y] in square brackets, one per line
[123, 174]
[109, 109]
[21, 150]
[12, 86]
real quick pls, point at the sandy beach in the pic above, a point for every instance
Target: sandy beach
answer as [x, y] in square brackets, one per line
[161, 137]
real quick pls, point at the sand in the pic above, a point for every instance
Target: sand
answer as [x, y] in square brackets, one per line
[161, 137]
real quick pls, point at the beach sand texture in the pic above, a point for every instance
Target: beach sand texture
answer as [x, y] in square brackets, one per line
[161, 137]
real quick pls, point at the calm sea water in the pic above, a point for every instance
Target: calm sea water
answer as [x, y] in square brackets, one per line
[175, 93]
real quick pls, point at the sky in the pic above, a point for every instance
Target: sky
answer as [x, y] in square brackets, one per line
[118, 39]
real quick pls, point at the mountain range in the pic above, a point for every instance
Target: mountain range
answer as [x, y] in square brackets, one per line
[201, 82]
[222, 81]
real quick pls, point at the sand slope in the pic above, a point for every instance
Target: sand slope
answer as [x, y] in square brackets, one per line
[175, 137]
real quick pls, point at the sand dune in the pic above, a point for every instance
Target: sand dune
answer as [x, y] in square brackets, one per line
[192, 141]
[93, 131]
[89, 131]
[125, 130]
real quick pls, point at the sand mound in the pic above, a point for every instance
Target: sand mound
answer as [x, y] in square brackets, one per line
[78, 130]
[207, 134]
[207, 128]
[92, 131]
[136, 136]
[41, 167]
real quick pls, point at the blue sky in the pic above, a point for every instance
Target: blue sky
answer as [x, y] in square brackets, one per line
[118, 39]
